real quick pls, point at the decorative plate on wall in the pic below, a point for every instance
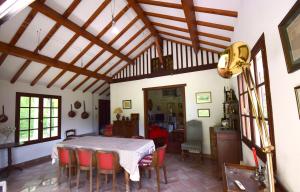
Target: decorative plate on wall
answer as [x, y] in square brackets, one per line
[77, 105]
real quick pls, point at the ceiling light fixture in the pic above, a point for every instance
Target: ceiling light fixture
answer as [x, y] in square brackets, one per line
[114, 28]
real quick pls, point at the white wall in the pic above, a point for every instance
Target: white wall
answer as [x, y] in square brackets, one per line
[257, 17]
[26, 153]
[195, 82]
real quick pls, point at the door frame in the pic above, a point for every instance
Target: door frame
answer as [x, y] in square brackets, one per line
[145, 91]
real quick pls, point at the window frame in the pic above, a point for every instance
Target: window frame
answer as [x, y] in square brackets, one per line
[40, 118]
[259, 46]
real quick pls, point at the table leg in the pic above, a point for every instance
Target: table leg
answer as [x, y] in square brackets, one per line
[127, 182]
[10, 167]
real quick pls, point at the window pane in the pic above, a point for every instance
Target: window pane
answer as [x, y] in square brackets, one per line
[46, 102]
[256, 133]
[34, 134]
[54, 122]
[34, 123]
[46, 112]
[34, 113]
[54, 103]
[54, 112]
[54, 132]
[24, 101]
[260, 68]
[246, 109]
[23, 136]
[24, 124]
[248, 128]
[240, 79]
[252, 72]
[34, 102]
[262, 95]
[46, 122]
[24, 113]
[46, 133]
[244, 126]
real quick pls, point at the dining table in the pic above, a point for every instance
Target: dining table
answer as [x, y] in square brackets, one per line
[130, 151]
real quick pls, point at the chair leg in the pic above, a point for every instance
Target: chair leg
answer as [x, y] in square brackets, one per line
[157, 178]
[98, 181]
[106, 178]
[78, 176]
[149, 173]
[70, 176]
[91, 179]
[165, 174]
[58, 174]
[114, 181]
[182, 154]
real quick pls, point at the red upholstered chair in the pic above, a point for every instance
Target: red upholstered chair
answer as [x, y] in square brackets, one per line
[85, 162]
[107, 162]
[67, 160]
[158, 135]
[155, 161]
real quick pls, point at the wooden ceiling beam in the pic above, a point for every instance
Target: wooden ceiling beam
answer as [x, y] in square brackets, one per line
[99, 87]
[204, 34]
[104, 91]
[137, 8]
[190, 16]
[73, 62]
[23, 53]
[201, 23]
[189, 39]
[130, 24]
[72, 26]
[197, 8]
[20, 31]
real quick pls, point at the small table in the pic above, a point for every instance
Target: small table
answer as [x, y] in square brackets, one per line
[243, 173]
[9, 147]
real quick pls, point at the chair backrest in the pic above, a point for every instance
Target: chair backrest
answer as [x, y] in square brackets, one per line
[65, 155]
[159, 156]
[194, 130]
[70, 133]
[107, 160]
[84, 157]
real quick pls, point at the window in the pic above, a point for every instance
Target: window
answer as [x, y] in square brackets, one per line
[259, 72]
[38, 118]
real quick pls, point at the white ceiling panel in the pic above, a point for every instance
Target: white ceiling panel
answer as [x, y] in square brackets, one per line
[168, 22]
[105, 17]
[87, 83]
[35, 32]
[232, 5]
[89, 55]
[84, 11]
[64, 79]
[49, 76]
[57, 41]
[117, 68]
[31, 71]
[10, 66]
[163, 10]
[10, 27]
[99, 61]
[109, 64]
[59, 5]
[76, 81]
[139, 39]
[74, 49]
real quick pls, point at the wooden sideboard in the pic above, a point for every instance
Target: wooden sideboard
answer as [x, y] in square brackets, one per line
[225, 146]
[126, 128]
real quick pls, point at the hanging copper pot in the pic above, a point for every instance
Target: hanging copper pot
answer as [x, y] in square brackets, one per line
[77, 104]
[72, 113]
[3, 117]
[84, 114]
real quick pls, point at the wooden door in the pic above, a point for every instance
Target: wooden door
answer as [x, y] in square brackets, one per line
[104, 113]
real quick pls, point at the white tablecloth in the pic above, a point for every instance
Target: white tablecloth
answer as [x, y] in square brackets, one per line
[130, 150]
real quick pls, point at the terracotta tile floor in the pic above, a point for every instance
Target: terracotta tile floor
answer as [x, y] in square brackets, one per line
[191, 175]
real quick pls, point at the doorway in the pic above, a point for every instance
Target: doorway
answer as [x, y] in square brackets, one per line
[104, 113]
[164, 108]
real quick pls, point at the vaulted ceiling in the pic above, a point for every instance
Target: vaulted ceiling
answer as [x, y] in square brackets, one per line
[71, 43]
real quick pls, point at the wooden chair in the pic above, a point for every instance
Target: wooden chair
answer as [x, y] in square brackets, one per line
[70, 133]
[67, 160]
[107, 162]
[85, 162]
[154, 161]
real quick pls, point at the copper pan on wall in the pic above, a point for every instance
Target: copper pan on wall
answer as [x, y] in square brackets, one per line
[3, 117]
[72, 113]
[84, 114]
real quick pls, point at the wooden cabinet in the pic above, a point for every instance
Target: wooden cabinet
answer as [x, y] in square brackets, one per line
[226, 146]
[126, 128]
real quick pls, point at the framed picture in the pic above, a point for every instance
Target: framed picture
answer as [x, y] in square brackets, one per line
[203, 97]
[297, 92]
[203, 112]
[126, 104]
[290, 37]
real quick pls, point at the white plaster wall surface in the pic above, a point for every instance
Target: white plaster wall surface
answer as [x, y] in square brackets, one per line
[257, 17]
[26, 153]
[195, 82]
